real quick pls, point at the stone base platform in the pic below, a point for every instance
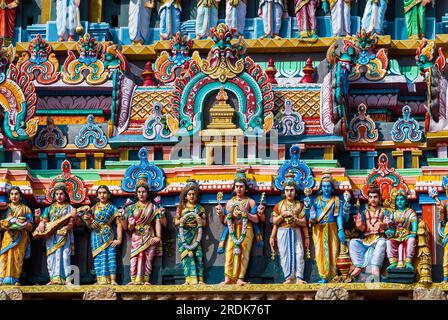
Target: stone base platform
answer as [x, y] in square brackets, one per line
[339, 291]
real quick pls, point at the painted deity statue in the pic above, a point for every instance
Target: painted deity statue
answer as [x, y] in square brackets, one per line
[105, 237]
[169, 13]
[16, 225]
[272, 12]
[340, 16]
[139, 20]
[401, 234]
[443, 233]
[207, 17]
[305, 11]
[190, 221]
[373, 18]
[240, 215]
[291, 232]
[370, 249]
[236, 14]
[143, 221]
[414, 16]
[60, 242]
[326, 215]
[8, 10]
[66, 18]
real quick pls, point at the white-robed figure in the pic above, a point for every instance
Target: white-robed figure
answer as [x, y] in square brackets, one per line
[207, 17]
[272, 12]
[60, 243]
[291, 232]
[373, 18]
[236, 14]
[66, 18]
[169, 13]
[139, 20]
[370, 250]
[340, 16]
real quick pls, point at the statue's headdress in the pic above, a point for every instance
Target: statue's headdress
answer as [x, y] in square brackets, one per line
[142, 181]
[289, 180]
[60, 184]
[240, 176]
[327, 176]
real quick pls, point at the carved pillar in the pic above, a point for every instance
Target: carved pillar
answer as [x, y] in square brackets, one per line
[400, 158]
[83, 160]
[329, 153]
[151, 153]
[43, 158]
[281, 151]
[17, 156]
[356, 161]
[59, 158]
[196, 150]
[98, 160]
[416, 154]
[209, 155]
[251, 149]
[167, 152]
[442, 151]
[234, 151]
[2, 154]
[371, 159]
[124, 155]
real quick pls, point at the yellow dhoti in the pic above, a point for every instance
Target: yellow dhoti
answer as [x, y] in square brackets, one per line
[326, 245]
[236, 265]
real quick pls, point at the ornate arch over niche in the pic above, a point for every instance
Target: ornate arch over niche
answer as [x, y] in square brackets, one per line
[224, 67]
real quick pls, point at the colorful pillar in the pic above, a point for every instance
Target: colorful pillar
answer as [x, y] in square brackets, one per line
[60, 157]
[98, 160]
[356, 161]
[43, 158]
[166, 152]
[416, 154]
[371, 159]
[83, 160]
[151, 153]
[17, 156]
[398, 154]
[329, 153]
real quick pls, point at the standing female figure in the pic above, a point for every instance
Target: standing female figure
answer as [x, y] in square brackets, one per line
[15, 243]
[190, 220]
[143, 221]
[106, 236]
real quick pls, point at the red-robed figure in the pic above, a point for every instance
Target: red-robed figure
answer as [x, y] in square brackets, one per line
[7, 17]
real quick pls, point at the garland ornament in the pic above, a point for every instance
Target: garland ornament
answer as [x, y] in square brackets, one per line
[237, 242]
[192, 246]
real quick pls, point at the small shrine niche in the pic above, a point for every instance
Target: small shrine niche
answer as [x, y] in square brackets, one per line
[221, 134]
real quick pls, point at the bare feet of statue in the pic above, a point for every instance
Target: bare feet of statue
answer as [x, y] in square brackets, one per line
[147, 283]
[201, 282]
[186, 284]
[276, 37]
[240, 282]
[114, 283]
[131, 284]
[68, 283]
[263, 36]
[227, 281]
[300, 281]
[356, 272]
[60, 39]
[70, 38]
[49, 284]
[288, 281]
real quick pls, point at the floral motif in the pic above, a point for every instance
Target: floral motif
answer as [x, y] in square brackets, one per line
[18, 97]
[91, 133]
[51, 135]
[154, 174]
[77, 190]
[156, 125]
[290, 123]
[224, 61]
[39, 59]
[362, 128]
[303, 175]
[406, 128]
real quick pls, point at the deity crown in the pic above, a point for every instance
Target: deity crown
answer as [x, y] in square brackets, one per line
[142, 181]
[289, 180]
[240, 175]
